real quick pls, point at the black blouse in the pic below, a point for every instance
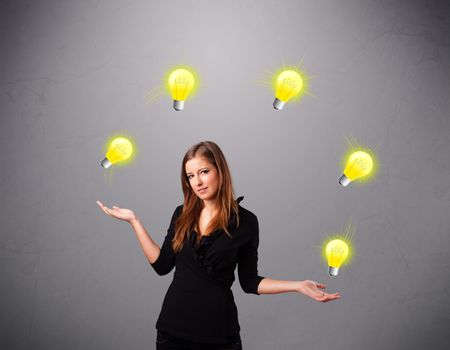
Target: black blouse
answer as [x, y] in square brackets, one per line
[199, 304]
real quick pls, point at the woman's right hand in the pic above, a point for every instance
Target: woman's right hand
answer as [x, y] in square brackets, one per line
[118, 213]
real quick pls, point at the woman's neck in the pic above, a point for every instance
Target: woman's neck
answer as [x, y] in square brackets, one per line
[210, 208]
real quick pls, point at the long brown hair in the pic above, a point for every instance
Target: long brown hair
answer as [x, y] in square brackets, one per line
[193, 205]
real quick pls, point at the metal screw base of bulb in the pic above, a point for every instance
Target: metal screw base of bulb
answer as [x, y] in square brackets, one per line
[178, 105]
[106, 163]
[344, 180]
[278, 104]
[333, 271]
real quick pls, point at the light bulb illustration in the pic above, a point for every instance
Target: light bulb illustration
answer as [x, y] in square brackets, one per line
[359, 164]
[181, 82]
[336, 252]
[288, 84]
[119, 150]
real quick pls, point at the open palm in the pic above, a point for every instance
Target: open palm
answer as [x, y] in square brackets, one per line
[118, 213]
[316, 291]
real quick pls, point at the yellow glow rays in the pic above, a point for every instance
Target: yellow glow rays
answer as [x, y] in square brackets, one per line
[338, 249]
[289, 83]
[181, 82]
[359, 163]
[154, 94]
[120, 149]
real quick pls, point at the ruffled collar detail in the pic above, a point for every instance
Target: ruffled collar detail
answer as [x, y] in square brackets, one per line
[202, 247]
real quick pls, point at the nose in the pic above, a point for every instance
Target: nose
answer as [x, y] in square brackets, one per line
[199, 181]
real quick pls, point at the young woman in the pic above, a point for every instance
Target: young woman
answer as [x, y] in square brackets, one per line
[208, 236]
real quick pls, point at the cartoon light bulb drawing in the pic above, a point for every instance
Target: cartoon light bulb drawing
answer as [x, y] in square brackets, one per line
[288, 84]
[119, 150]
[336, 252]
[359, 164]
[181, 82]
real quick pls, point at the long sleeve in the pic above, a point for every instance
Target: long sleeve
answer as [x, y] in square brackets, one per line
[166, 259]
[248, 261]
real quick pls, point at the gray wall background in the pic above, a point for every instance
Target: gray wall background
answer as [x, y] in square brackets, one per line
[75, 72]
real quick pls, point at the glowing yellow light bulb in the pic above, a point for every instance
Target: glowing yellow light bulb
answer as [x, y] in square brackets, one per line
[119, 149]
[359, 164]
[336, 252]
[181, 82]
[288, 84]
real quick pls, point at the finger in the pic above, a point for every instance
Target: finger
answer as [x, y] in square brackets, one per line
[115, 207]
[328, 300]
[109, 210]
[319, 296]
[103, 207]
[323, 297]
[335, 295]
[114, 213]
[321, 286]
[106, 210]
[100, 204]
[330, 297]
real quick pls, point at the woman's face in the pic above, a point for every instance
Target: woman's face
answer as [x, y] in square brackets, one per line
[203, 178]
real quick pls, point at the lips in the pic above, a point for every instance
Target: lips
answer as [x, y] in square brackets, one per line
[202, 190]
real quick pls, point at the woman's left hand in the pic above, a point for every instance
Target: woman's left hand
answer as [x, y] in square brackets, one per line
[315, 291]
